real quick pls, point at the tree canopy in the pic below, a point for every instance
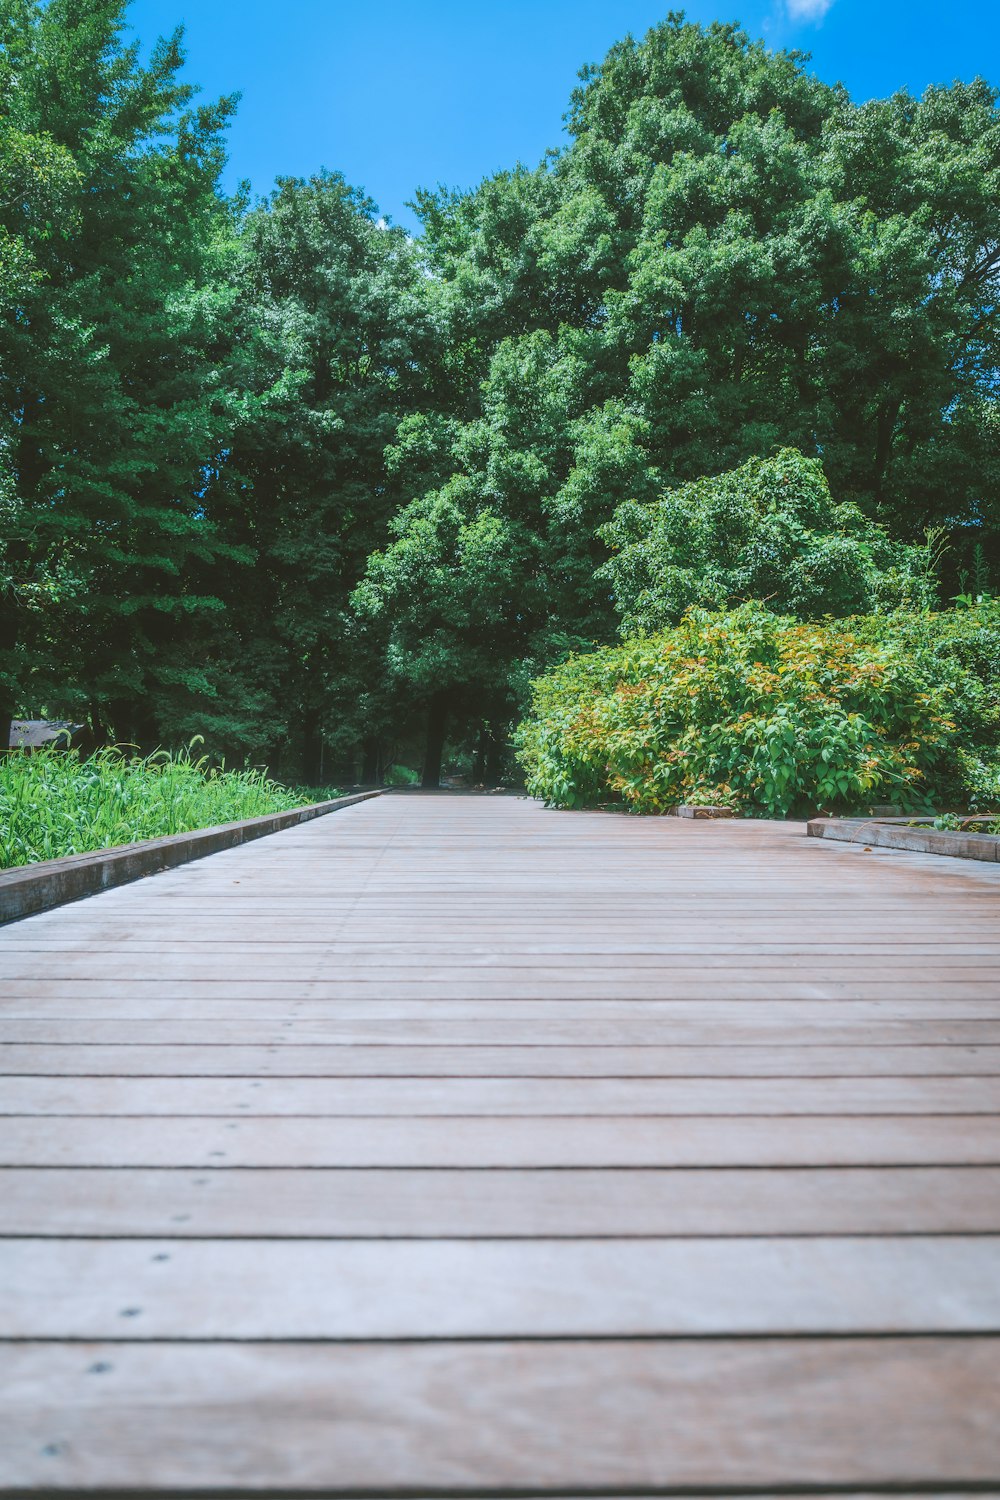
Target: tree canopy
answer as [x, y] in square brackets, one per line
[769, 530]
[274, 472]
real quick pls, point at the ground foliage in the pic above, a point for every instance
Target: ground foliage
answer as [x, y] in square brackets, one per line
[277, 473]
[55, 802]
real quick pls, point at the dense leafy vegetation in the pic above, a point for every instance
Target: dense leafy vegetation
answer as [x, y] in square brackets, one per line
[54, 803]
[768, 530]
[959, 650]
[275, 473]
[766, 715]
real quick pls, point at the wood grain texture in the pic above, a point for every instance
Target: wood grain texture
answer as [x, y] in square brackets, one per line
[202, 999]
[455, 1145]
[619, 1416]
[510, 1203]
[288, 1029]
[59, 1095]
[428, 1060]
[378, 1289]
[498, 1142]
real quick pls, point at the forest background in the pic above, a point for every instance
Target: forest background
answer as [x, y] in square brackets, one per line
[331, 496]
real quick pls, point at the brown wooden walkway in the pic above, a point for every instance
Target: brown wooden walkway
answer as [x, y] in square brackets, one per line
[447, 1145]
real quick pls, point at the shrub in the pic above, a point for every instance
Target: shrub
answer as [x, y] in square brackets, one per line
[768, 530]
[959, 647]
[748, 709]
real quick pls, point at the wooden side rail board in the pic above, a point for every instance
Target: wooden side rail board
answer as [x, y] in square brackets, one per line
[33, 888]
[892, 833]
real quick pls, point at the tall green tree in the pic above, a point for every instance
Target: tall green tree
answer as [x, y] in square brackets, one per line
[728, 259]
[352, 334]
[38, 187]
[113, 351]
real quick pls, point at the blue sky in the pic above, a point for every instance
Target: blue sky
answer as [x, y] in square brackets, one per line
[407, 93]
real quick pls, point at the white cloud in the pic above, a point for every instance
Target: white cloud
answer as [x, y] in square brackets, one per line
[808, 10]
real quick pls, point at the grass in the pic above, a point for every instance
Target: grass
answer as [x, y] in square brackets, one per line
[57, 802]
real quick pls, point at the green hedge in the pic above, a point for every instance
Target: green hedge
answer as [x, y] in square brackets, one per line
[771, 716]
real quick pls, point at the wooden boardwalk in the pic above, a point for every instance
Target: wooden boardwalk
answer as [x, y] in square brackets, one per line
[450, 1146]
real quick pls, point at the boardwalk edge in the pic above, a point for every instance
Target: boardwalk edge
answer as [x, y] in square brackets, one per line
[31, 889]
[893, 834]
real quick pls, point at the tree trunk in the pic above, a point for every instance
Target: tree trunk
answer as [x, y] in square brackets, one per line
[479, 764]
[311, 747]
[885, 432]
[99, 731]
[369, 760]
[437, 728]
[8, 690]
[494, 759]
[121, 722]
[8, 708]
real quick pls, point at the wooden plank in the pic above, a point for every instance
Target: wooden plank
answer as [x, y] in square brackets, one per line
[609, 1141]
[518, 880]
[202, 1003]
[326, 976]
[506, 1204]
[419, 1061]
[466, 943]
[726, 990]
[908, 951]
[170, 963]
[294, 1027]
[297, 933]
[482, 936]
[675, 937]
[396, 1289]
[500, 1096]
[612, 1416]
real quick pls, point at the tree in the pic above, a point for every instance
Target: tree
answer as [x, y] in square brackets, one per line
[350, 335]
[730, 259]
[38, 184]
[113, 380]
[769, 530]
[445, 597]
[802, 272]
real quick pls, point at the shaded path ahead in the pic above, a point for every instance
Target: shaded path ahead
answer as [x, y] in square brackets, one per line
[450, 1145]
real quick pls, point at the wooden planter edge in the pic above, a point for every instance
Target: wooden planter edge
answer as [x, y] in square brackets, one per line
[890, 834]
